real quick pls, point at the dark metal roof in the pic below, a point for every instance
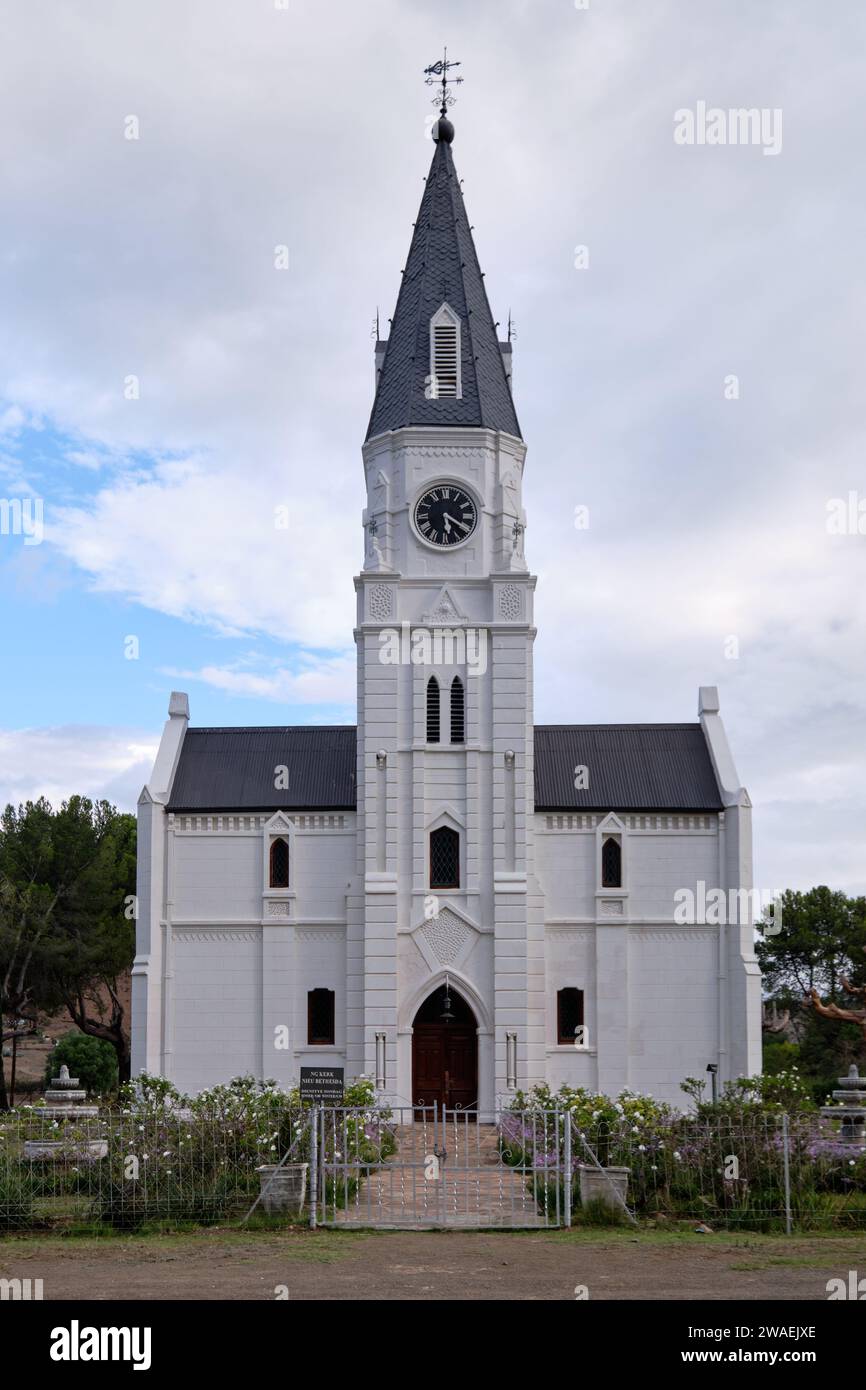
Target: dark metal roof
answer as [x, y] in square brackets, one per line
[235, 769]
[442, 265]
[632, 767]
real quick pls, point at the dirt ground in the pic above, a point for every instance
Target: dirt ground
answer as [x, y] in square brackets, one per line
[347, 1265]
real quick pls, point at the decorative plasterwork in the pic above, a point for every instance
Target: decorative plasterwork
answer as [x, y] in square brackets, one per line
[682, 935]
[446, 935]
[446, 939]
[650, 824]
[278, 908]
[320, 934]
[249, 825]
[444, 611]
[197, 934]
[380, 602]
[511, 602]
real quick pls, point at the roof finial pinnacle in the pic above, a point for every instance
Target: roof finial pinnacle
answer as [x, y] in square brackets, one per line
[443, 129]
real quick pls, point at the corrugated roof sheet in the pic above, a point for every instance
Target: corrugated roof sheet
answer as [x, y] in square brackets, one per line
[442, 265]
[235, 769]
[631, 767]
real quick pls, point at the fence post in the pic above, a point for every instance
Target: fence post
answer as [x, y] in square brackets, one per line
[567, 1162]
[787, 1170]
[314, 1164]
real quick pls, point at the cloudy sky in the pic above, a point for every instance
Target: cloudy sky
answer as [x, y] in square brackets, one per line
[695, 380]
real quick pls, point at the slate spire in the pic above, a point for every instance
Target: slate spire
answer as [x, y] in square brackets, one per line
[442, 268]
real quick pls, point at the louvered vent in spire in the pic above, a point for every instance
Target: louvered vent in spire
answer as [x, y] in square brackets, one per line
[445, 355]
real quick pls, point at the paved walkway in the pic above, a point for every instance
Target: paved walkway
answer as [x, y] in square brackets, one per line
[473, 1187]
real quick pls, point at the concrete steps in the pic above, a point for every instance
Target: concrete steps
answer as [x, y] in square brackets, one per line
[473, 1187]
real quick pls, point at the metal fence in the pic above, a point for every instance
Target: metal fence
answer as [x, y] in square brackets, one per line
[128, 1169]
[425, 1167]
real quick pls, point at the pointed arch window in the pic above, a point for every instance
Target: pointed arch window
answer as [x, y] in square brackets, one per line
[432, 710]
[445, 354]
[611, 863]
[458, 711]
[444, 858]
[278, 876]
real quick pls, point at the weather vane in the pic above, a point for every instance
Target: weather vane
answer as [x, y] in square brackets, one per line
[438, 71]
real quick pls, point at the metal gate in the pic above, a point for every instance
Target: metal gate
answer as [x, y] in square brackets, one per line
[425, 1166]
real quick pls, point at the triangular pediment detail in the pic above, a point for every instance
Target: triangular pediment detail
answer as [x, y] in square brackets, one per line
[279, 824]
[445, 610]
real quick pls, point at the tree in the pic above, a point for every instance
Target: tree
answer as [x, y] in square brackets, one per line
[95, 939]
[92, 1060]
[27, 903]
[822, 938]
[66, 930]
[818, 952]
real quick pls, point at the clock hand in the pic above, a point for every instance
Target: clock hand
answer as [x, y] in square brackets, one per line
[447, 527]
[456, 522]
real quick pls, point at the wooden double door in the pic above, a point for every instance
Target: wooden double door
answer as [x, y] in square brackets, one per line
[445, 1054]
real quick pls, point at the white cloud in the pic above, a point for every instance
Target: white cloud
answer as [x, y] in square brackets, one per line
[75, 759]
[201, 542]
[326, 681]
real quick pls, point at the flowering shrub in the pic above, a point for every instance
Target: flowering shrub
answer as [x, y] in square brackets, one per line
[782, 1091]
[725, 1161]
[196, 1158]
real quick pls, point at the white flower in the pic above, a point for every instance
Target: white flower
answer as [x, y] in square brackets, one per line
[641, 1148]
[677, 1153]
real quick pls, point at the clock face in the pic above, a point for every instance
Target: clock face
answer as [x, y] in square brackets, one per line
[445, 515]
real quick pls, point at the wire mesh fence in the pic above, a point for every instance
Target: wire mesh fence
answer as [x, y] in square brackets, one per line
[207, 1162]
[764, 1171]
[135, 1168]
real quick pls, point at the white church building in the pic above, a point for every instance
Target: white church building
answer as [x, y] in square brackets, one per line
[448, 897]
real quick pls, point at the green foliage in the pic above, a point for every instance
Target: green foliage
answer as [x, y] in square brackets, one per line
[782, 1090]
[822, 938]
[722, 1161]
[197, 1157]
[779, 1055]
[67, 927]
[92, 1060]
[16, 1197]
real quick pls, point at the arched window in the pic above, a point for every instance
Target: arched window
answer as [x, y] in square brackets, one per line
[279, 867]
[569, 1016]
[320, 1017]
[444, 858]
[458, 711]
[611, 864]
[445, 354]
[432, 710]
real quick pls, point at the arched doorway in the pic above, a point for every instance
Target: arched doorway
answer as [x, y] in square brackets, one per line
[445, 1052]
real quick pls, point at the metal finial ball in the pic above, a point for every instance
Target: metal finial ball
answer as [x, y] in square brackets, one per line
[443, 130]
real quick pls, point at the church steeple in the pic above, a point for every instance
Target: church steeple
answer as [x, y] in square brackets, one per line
[443, 282]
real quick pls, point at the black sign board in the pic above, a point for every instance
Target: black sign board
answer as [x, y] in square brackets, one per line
[322, 1083]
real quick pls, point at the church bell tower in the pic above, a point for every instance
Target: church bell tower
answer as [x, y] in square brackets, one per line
[445, 896]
